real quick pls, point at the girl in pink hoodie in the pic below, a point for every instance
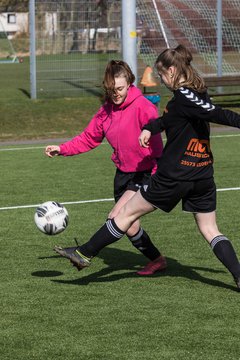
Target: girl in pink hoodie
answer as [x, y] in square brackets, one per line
[120, 120]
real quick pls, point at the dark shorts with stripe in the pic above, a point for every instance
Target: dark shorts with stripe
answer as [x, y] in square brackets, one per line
[129, 181]
[197, 196]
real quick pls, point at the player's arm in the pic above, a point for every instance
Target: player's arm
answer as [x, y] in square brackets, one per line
[52, 150]
[217, 115]
[155, 126]
[155, 144]
[152, 128]
[225, 117]
[196, 108]
[144, 138]
[90, 138]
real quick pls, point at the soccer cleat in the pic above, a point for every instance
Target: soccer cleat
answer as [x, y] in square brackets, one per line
[65, 252]
[158, 264]
[79, 260]
[237, 281]
[74, 255]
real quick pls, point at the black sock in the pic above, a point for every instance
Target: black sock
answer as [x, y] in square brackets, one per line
[225, 252]
[142, 242]
[107, 234]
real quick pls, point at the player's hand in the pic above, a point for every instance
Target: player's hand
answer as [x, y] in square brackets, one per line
[144, 138]
[52, 150]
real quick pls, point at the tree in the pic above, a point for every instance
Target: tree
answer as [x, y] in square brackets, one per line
[14, 5]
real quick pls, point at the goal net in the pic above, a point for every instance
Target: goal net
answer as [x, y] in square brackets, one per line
[167, 23]
[7, 53]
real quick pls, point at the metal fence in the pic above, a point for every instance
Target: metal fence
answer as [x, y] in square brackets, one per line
[74, 41]
[210, 28]
[76, 38]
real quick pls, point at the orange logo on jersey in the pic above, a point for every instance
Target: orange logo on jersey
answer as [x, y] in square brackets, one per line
[200, 146]
[198, 153]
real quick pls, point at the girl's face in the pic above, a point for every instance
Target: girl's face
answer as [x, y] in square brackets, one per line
[120, 90]
[167, 76]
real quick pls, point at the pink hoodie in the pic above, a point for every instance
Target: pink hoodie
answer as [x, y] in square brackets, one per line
[121, 125]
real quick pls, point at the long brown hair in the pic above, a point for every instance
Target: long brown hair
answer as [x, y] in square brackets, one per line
[185, 74]
[116, 68]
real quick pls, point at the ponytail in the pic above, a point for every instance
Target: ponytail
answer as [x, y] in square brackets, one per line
[181, 58]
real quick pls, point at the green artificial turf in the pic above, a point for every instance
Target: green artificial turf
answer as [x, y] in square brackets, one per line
[106, 312]
[51, 311]
[53, 117]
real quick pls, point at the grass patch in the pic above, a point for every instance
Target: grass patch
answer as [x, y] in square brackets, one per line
[51, 311]
[26, 119]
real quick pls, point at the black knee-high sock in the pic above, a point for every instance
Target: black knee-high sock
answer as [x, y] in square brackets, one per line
[142, 242]
[225, 252]
[107, 234]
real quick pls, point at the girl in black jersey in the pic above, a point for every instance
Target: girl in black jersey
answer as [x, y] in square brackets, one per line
[185, 170]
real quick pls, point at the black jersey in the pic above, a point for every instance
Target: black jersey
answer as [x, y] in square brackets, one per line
[187, 154]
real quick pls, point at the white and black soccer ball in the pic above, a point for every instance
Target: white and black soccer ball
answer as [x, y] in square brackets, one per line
[51, 218]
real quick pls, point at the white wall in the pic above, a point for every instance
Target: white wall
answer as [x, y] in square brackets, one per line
[13, 23]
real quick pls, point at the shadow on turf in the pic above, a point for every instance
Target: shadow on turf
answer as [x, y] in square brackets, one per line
[25, 92]
[129, 262]
[47, 273]
[92, 91]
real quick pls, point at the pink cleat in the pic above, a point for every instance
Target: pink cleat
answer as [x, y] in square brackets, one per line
[158, 264]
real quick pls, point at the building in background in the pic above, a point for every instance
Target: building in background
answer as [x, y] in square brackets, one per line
[14, 24]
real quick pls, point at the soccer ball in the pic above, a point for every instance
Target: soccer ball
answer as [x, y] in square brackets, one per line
[51, 218]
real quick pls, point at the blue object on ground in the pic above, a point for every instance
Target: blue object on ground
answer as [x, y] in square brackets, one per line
[154, 98]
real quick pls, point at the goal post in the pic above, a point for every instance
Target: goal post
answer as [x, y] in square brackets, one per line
[210, 29]
[129, 34]
[32, 32]
[7, 52]
[71, 41]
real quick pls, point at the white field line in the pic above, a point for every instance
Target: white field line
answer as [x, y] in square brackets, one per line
[63, 203]
[87, 201]
[25, 148]
[90, 201]
[33, 147]
[103, 143]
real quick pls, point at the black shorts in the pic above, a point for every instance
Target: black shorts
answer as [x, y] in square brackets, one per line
[129, 181]
[197, 196]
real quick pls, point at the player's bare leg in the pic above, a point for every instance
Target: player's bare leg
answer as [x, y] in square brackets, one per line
[220, 244]
[110, 231]
[136, 207]
[141, 240]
